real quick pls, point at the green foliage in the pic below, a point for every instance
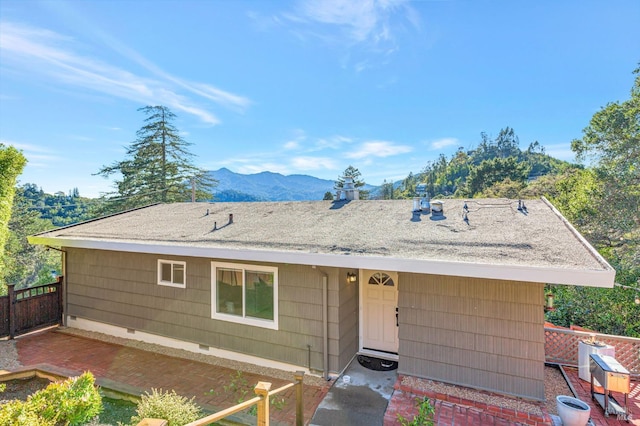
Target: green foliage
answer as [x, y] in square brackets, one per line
[608, 311]
[74, 401]
[425, 415]
[59, 208]
[239, 388]
[495, 168]
[158, 166]
[176, 409]
[602, 202]
[27, 265]
[491, 172]
[387, 191]
[328, 196]
[18, 413]
[12, 163]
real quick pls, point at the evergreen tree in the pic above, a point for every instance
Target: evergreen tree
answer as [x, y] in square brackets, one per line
[158, 167]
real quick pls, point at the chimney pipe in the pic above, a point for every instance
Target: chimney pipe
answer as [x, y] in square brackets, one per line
[230, 218]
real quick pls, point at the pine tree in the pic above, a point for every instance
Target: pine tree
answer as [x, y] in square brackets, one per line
[158, 166]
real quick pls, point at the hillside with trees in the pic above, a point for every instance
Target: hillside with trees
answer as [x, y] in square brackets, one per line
[495, 168]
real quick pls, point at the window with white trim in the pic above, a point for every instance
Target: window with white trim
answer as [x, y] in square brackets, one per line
[172, 273]
[246, 294]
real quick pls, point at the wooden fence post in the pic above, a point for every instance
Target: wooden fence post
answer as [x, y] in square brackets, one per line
[262, 390]
[12, 313]
[299, 376]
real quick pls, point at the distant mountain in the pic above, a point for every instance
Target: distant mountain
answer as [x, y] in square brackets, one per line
[268, 186]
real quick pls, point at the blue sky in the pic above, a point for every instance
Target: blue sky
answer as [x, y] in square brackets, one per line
[306, 87]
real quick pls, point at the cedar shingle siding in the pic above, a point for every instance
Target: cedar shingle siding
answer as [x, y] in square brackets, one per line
[481, 333]
[121, 289]
[476, 332]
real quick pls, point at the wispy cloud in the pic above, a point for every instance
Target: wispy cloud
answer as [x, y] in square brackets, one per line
[314, 163]
[369, 25]
[443, 143]
[54, 56]
[378, 149]
[37, 156]
[360, 20]
[332, 142]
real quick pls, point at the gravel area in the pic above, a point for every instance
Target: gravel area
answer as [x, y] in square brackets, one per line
[554, 383]
[8, 355]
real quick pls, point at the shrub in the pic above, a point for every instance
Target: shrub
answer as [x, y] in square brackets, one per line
[176, 409]
[74, 401]
[425, 414]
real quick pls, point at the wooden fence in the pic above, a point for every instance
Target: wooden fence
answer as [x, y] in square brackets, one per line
[261, 400]
[561, 347]
[25, 310]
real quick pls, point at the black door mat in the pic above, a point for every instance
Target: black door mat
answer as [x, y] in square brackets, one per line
[377, 364]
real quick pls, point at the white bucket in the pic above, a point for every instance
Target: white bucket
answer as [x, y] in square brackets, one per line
[572, 411]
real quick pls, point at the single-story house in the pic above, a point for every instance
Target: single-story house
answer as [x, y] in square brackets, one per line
[455, 295]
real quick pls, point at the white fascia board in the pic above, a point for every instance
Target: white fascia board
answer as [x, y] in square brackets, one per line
[548, 275]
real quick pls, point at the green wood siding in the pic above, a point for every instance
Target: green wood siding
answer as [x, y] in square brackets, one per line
[479, 333]
[121, 289]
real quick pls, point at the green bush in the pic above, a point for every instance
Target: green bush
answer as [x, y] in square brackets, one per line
[176, 409]
[425, 415]
[74, 401]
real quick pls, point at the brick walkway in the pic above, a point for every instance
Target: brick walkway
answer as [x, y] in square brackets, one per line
[455, 411]
[137, 371]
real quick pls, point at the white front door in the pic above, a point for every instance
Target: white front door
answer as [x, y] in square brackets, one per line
[378, 321]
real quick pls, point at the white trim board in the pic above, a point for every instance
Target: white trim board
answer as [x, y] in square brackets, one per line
[547, 275]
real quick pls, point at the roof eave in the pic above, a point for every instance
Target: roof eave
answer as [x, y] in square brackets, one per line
[581, 277]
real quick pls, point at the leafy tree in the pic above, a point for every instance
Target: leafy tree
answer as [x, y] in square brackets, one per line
[504, 189]
[602, 202]
[26, 264]
[507, 143]
[490, 172]
[12, 163]
[328, 196]
[158, 167]
[612, 141]
[387, 190]
[357, 182]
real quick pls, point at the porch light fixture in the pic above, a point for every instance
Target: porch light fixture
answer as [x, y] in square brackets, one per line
[351, 277]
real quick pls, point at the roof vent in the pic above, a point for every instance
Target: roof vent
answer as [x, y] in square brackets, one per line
[521, 206]
[423, 200]
[437, 208]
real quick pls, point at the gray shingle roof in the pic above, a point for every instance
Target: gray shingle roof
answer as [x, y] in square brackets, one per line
[351, 234]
